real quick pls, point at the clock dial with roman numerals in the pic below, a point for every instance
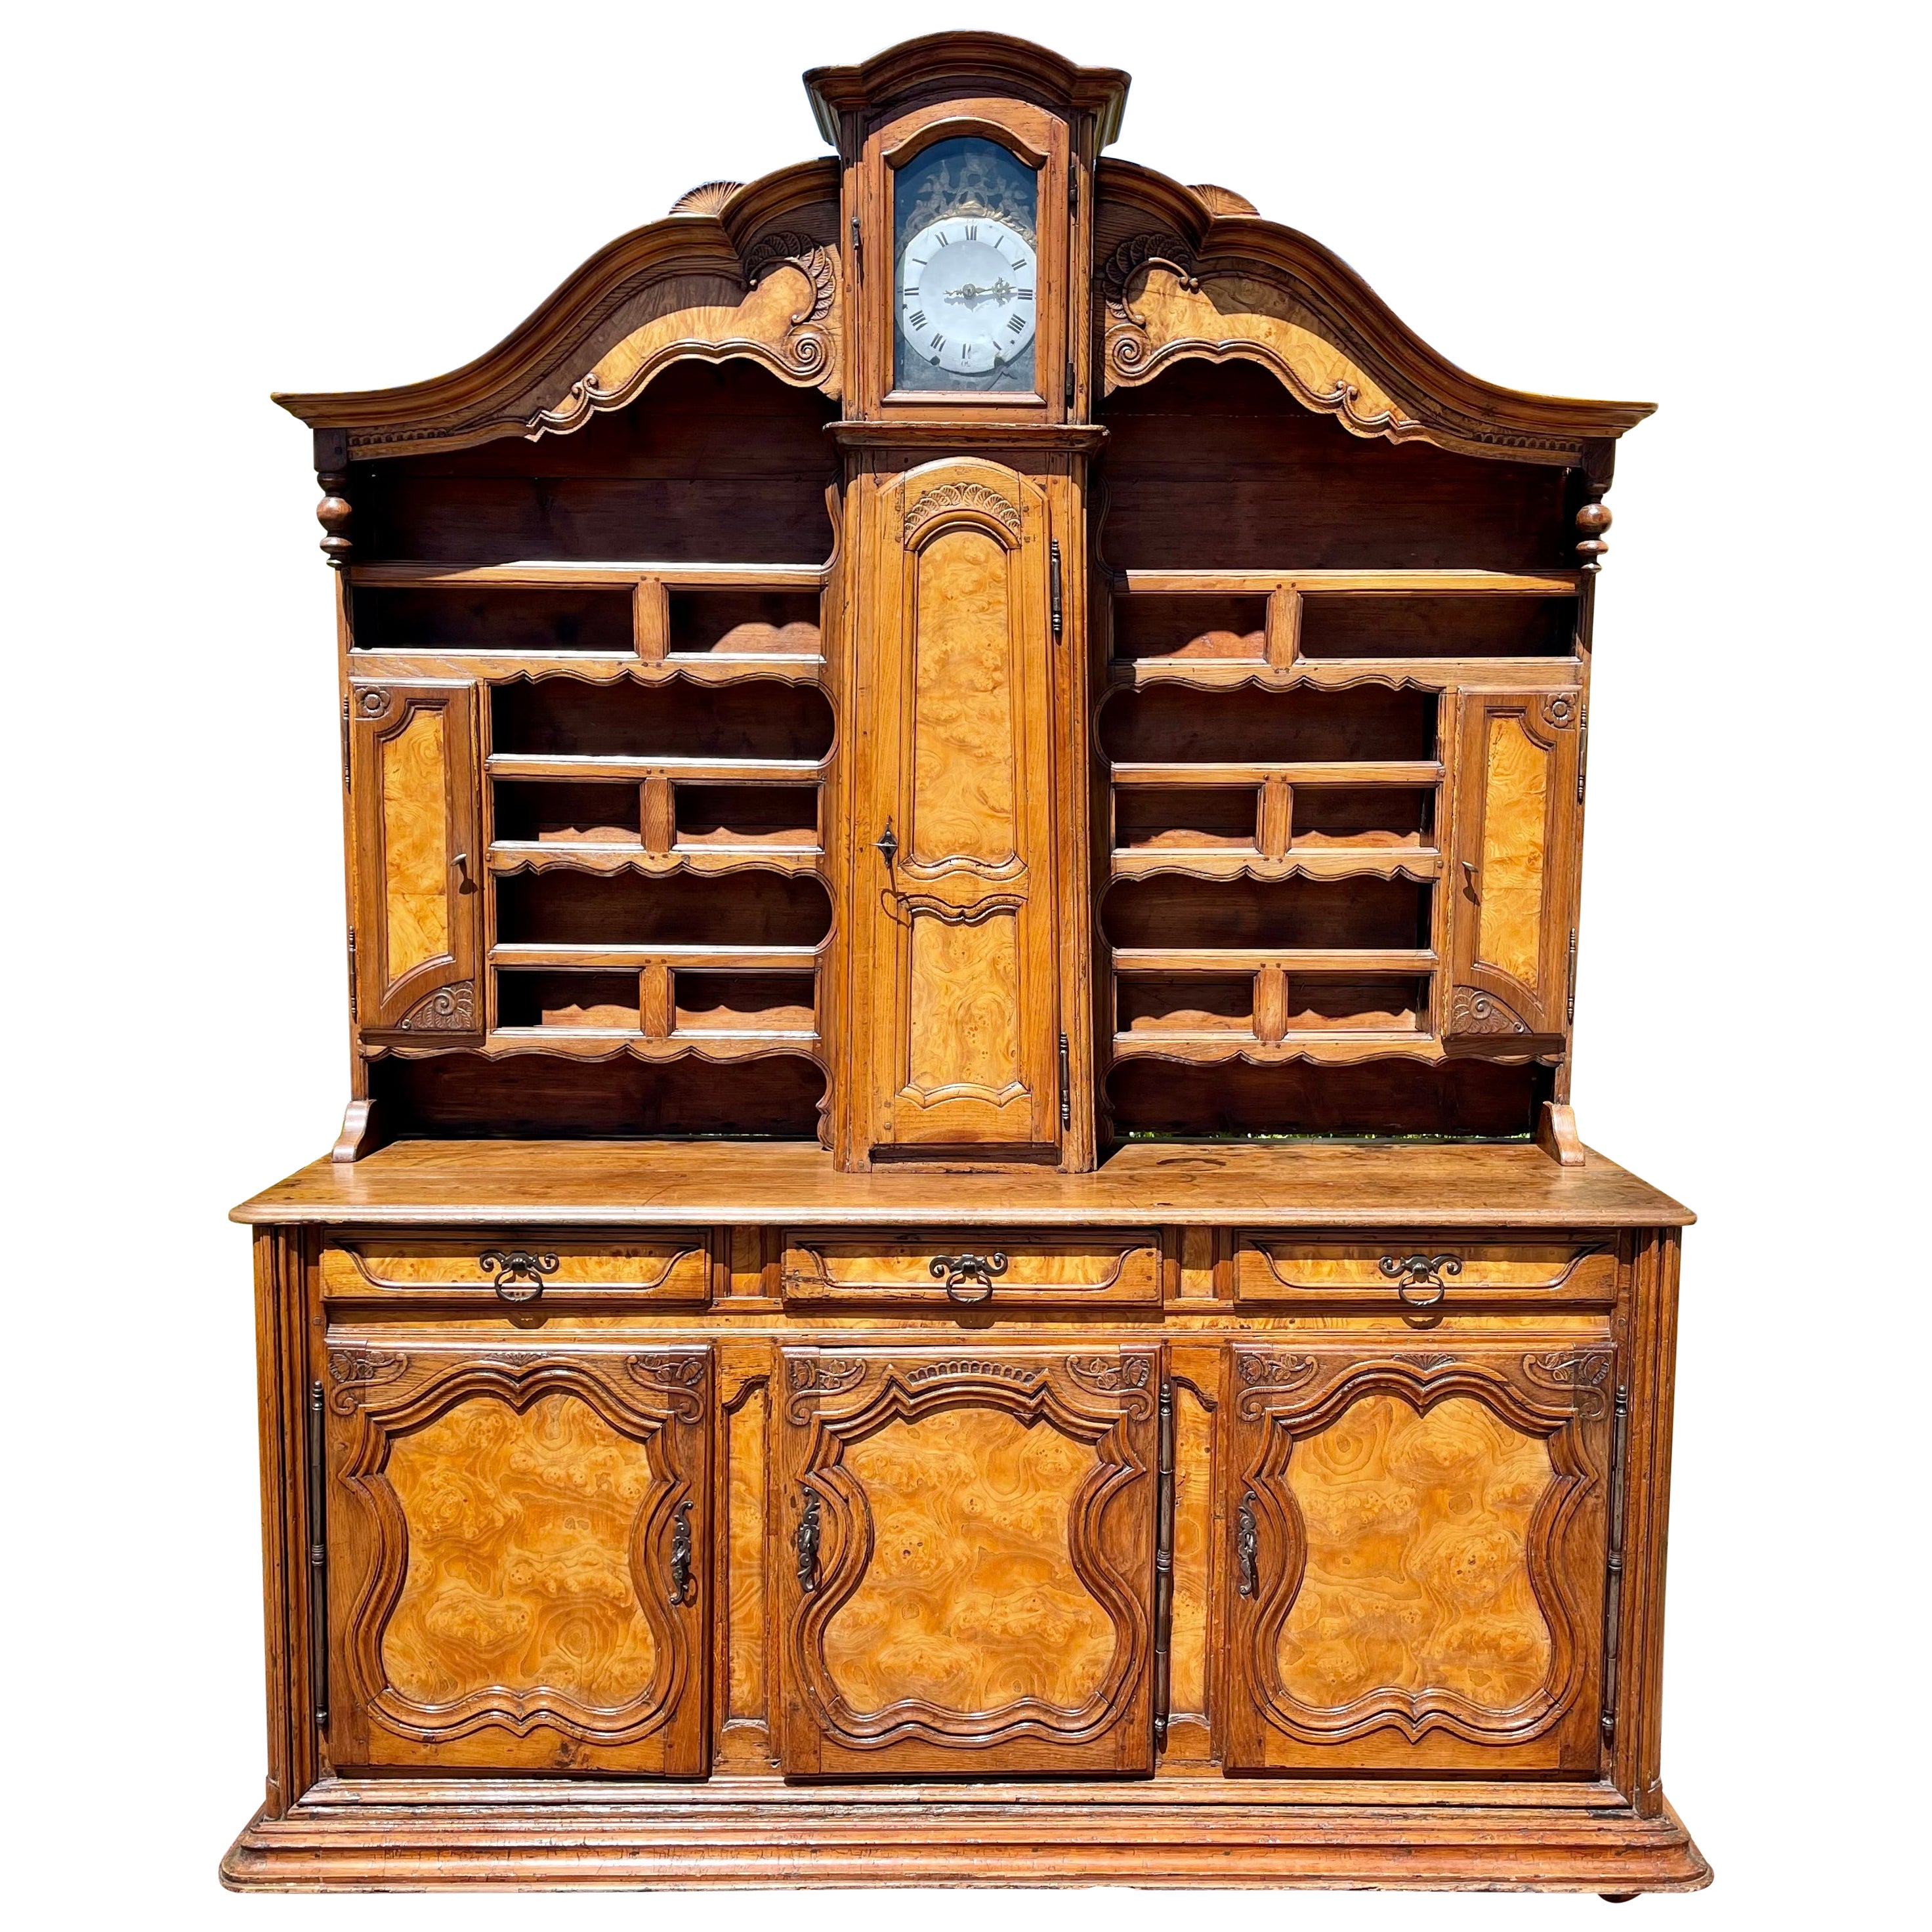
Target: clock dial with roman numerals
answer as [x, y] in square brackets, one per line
[968, 302]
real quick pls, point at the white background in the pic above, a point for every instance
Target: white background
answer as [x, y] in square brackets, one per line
[1705, 206]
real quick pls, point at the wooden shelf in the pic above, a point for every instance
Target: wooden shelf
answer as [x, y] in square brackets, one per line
[1347, 582]
[692, 770]
[509, 856]
[537, 573]
[1133, 959]
[1365, 861]
[563, 955]
[608, 1043]
[1318, 1049]
[1204, 771]
[1204, 673]
[592, 666]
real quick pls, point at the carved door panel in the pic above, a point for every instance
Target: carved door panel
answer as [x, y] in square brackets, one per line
[518, 1563]
[1418, 1564]
[963, 1549]
[957, 893]
[1514, 886]
[418, 911]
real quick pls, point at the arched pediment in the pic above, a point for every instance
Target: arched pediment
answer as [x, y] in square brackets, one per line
[1184, 272]
[756, 277]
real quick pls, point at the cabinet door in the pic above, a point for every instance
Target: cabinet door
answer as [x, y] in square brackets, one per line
[412, 758]
[959, 905]
[1512, 925]
[1417, 1566]
[517, 1558]
[964, 1547]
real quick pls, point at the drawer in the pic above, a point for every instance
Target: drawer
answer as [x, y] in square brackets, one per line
[1420, 1273]
[976, 1268]
[519, 1271]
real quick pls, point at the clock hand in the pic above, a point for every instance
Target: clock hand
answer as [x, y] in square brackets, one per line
[972, 294]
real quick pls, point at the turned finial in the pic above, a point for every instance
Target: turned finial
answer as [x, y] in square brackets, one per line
[333, 512]
[1592, 520]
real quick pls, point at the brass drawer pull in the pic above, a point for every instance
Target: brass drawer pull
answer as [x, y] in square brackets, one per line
[805, 1540]
[516, 1265]
[956, 1270]
[1421, 1271]
[682, 1590]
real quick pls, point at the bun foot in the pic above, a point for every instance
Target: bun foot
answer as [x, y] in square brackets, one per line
[1618, 1897]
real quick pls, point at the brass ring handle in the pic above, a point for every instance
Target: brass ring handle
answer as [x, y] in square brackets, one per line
[517, 1265]
[1420, 1271]
[957, 1270]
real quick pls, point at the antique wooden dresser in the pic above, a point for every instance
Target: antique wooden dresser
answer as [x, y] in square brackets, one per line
[959, 1254]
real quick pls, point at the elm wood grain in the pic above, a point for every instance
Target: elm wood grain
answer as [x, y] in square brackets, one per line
[1420, 1557]
[1384, 592]
[1197, 1832]
[1005, 1271]
[1272, 1269]
[964, 1560]
[537, 1274]
[504, 1530]
[645, 1184]
[417, 905]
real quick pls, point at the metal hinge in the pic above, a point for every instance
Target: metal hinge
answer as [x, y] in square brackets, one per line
[351, 972]
[1073, 192]
[318, 1562]
[345, 744]
[1070, 381]
[1613, 1587]
[858, 253]
[1583, 749]
[1163, 1572]
[1066, 1088]
[1053, 561]
[1570, 1004]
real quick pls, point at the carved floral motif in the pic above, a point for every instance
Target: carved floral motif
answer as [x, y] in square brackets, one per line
[1585, 1375]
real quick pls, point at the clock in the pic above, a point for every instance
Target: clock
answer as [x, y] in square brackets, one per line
[966, 292]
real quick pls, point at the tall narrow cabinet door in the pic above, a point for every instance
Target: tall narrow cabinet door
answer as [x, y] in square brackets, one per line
[956, 858]
[1513, 923]
[418, 911]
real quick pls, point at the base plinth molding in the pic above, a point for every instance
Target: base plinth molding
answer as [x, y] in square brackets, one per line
[355, 1835]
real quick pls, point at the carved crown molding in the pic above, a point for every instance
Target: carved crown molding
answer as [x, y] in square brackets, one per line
[677, 287]
[1222, 283]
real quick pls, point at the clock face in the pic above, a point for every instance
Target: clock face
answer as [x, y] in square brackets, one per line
[966, 266]
[968, 299]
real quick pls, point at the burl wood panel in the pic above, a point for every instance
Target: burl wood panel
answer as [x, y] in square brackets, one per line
[970, 1599]
[963, 1019]
[1417, 1572]
[520, 1531]
[1516, 789]
[963, 775]
[415, 843]
[745, 1556]
[1193, 1545]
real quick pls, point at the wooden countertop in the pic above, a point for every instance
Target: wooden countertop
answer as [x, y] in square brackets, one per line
[643, 1183]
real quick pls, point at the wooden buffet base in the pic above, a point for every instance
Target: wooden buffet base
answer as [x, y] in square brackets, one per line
[1215, 1308]
[364, 1835]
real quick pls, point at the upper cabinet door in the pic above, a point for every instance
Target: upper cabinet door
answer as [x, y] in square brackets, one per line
[517, 1558]
[963, 1554]
[418, 910]
[954, 862]
[1418, 1558]
[1513, 883]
